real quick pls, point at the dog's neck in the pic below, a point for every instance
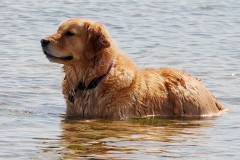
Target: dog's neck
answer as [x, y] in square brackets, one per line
[87, 70]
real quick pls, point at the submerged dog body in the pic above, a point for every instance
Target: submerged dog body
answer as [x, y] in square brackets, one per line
[101, 82]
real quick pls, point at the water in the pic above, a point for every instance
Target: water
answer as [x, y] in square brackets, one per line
[200, 37]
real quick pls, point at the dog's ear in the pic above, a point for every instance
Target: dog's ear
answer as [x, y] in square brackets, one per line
[97, 39]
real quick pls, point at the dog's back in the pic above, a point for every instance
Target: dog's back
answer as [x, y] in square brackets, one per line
[174, 92]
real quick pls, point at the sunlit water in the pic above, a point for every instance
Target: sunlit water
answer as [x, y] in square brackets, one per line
[200, 37]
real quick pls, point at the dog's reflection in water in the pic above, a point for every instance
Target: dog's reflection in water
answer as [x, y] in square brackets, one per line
[149, 135]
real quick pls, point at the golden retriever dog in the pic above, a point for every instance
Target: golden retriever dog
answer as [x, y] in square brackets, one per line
[101, 82]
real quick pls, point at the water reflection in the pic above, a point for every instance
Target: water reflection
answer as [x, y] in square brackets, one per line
[148, 137]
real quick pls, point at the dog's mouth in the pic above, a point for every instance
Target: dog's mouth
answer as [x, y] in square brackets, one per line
[67, 58]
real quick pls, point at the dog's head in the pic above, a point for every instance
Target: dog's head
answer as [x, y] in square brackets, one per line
[76, 39]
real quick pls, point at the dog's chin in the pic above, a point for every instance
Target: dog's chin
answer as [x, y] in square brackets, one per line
[55, 59]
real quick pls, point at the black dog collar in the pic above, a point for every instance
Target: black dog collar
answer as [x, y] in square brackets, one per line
[81, 86]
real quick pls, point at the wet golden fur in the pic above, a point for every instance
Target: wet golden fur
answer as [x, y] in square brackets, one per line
[127, 91]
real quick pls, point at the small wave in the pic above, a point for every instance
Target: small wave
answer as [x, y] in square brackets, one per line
[17, 111]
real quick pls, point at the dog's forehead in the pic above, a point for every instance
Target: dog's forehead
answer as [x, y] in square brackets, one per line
[70, 23]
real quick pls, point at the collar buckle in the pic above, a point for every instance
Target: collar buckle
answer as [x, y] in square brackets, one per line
[71, 96]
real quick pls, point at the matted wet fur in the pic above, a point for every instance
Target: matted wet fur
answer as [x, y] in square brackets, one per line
[86, 51]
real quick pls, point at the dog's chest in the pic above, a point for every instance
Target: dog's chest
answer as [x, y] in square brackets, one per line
[90, 103]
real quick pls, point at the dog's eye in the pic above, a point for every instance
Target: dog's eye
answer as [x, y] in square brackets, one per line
[68, 33]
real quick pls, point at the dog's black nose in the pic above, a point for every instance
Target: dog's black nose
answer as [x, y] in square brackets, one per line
[44, 42]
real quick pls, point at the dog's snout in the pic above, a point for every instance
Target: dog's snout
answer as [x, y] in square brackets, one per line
[44, 42]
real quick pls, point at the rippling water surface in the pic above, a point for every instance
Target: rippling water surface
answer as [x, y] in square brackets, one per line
[200, 37]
